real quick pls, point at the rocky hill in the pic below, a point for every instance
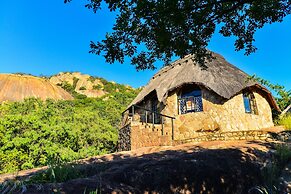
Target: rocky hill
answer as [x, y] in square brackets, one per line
[63, 86]
[85, 84]
[16, 87]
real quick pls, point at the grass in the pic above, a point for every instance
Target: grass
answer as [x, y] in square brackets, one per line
[13, 186]
[57, 174]
[272, 171]
[285, 121]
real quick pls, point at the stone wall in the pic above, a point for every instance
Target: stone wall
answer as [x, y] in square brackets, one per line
[146, 135]
[227, 136]
[124, 138]
[143, 135]
[221, 119]
[218, 115]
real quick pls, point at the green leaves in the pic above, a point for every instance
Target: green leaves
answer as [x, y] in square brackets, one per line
[151, 30]
[283, 96]
[35, 133]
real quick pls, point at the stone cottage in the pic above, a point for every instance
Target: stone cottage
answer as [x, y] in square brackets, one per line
[186, 102]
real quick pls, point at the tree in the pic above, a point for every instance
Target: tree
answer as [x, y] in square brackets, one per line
[151, 30]
[283, 96]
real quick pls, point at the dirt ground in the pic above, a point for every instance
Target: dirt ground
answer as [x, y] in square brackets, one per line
[208, 167]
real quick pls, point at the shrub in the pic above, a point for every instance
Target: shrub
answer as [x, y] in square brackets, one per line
[285, 121]
[97, 87]
[271, 172]
[35, 132]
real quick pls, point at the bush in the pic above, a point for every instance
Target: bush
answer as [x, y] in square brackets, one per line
[33, 132]
[285, 121]
[272, 170]
[97, 87]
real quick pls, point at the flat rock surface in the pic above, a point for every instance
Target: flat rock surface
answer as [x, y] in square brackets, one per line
[205, 167]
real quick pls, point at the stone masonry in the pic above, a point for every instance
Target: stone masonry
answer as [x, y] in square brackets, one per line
[220, 120]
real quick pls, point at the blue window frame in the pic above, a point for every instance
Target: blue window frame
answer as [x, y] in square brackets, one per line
[250, 103]
[190, 101]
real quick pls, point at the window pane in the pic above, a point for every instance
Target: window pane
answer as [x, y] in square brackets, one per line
[191, 101]
[247, 104]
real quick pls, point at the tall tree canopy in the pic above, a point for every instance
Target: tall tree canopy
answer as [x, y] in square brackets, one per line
[150, 30]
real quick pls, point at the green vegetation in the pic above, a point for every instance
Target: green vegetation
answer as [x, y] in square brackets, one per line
[285, 121]
[92, 78]
[21, 73]
[57, 174]
[272, 171]
[97, 87]
[75, 81]
[283, 96]
[34, 133]
[82, 88]
[149, 31]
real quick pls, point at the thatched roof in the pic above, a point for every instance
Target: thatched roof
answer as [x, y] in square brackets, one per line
[15, 87]
[220, 76]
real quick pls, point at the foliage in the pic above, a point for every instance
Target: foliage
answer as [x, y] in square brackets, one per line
[57, 174]
[62, 172]
[33, 133]
[75, 81]
[283, 98]
[21, 73]
[285, 121]
[271, 172]
[97, 87]
[71, 89]
[92, 79]
[82, 88]
[152, 30]
[13, 186]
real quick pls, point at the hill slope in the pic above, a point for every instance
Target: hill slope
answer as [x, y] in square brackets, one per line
[84, 84]
[35, 133]
[16, 87]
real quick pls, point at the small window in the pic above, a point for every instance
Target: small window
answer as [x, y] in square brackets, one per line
[190, 101]
[155, 109]
[250, 103]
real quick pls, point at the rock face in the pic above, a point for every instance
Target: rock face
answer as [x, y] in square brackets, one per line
[82, 83]
[15, 87]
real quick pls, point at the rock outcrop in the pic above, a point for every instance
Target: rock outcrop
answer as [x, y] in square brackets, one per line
[16, 87]
[82, 83]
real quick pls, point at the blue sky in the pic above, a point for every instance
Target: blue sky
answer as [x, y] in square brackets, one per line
[46, 37]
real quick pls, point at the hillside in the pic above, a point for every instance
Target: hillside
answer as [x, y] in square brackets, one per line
[16, 87]
[67, 146]
[37, 132]
[87, 85]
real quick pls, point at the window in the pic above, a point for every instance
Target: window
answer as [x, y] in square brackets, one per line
[155, 109]
[190, 101]
[250, 103]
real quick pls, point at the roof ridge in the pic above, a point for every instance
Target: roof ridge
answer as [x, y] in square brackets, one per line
[171, 66]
